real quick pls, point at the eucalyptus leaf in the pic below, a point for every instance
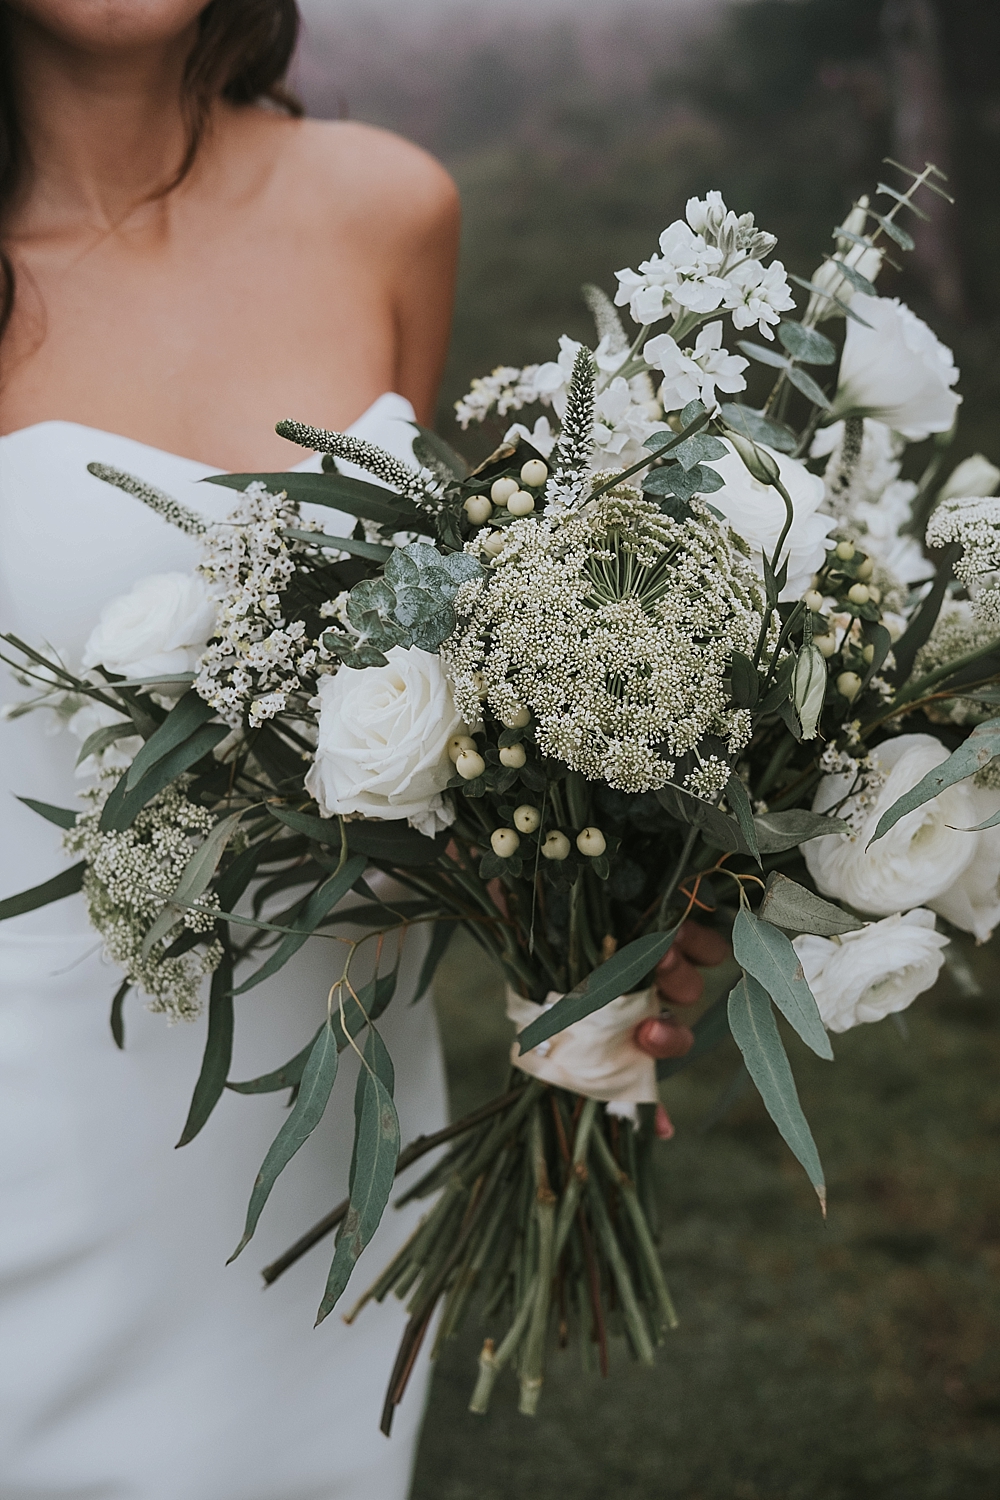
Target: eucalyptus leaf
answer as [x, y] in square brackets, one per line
[310, 1105]
[973, 755]
[62, 817]
[806, 344]
[67, 883]
[619, 975]
[752, 1023]
[101, 738]
[319, 905]
[777, 831]
[371, 551]
[441, 936]
[123, 806]
[752, 424]
[355, 497]
[701, 448]
[850, 273]
[790, 905]
[218, 1050]
[717, 829]
[804, 382]
[195, 879]
[187, 715]
[818, 291]
[766, 953]
[736, 796]
[895, 231]
[745, 684]
[373, 1166]
[764, 354]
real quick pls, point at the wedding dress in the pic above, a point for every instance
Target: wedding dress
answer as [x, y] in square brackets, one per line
[134, 1364]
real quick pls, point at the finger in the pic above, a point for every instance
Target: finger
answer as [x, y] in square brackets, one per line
[658, 1036]
[701, 945]
[681, 984]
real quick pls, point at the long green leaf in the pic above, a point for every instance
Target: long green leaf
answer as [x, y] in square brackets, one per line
[116, 1019]
[441, 936]
[788, 904]
[218, 1050]
[356, 497]
[195, 879]
[123, 807]
[766, 953]
[373, 1166]
[62, 817]
[310, 1105]
[102, 738]
[392, 841]
[717, 828]
[971, 756]
[67, 883]
[922, 622]
[187, 715]
[372, 551]
[736, 796]
[752, 1023]
[619, 975]
[320, 903]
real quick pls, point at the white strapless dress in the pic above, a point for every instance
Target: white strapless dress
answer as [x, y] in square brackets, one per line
[134, 1364]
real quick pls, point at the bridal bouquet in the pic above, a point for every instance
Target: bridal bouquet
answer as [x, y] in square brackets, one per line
[663, 652]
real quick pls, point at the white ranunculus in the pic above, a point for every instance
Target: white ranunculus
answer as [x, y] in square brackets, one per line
[973, 902]
[161, 625]
[897, 370]
[382, 750]
[868, 974]
[756, 512]
[919, 859]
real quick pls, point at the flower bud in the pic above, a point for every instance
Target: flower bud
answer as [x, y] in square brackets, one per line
[858, 593]
[534, 472]
[809, 689]
[757, 460]
[521, 503]
[504, 842]
[556, 845]
[502, 489]
[526, 818]
[493, 544]
[591, 841]
[478, 509]
[458, 745]
[520, 718]
[469, 765]
[513, 757]
[849, 685]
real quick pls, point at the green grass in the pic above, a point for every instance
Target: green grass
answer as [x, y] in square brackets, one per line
[859, 1360]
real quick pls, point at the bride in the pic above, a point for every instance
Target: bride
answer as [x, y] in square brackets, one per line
[183, 260]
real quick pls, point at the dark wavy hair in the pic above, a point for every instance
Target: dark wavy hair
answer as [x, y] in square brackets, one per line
[241, 54]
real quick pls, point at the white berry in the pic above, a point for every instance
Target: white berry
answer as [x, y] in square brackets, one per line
[502, 489]
[556, 845]
[520, 718]
[505, 842]
[591, 842]
[521, 504]
[478, 508]
[513, 757]
[526, 818]
[469, 765]
[459, 744]
[534, 472]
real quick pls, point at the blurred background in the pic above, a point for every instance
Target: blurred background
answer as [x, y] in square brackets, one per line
[856, 1361]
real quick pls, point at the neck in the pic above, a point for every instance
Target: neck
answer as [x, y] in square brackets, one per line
[104, 131]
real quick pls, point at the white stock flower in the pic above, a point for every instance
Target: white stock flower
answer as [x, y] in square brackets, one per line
[161, 625]
[694, 374]
[621, 423]
[866, 975]
[919, 859]
[758, 294]
[541, 437]
[683, 275]
[896, 370]
[382, 748]
[756, 512]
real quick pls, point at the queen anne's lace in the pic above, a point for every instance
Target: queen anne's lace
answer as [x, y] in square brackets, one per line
[614, 627]
[129, 876]
[975, 523]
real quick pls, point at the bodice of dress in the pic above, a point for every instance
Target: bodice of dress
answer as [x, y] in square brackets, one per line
[68, 544]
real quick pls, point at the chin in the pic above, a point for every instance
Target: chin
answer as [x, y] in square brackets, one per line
[110, 25]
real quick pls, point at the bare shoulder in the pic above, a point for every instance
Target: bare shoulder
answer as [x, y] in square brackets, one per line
[377, 169]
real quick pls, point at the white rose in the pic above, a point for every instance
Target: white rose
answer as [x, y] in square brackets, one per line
[757, 513]
[161, 626]
[973, 902]
[382, 749]
[919, 859]
[897, 370]
[865, 975]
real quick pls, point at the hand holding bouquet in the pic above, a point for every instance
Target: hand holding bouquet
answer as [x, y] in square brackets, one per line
[640, 663]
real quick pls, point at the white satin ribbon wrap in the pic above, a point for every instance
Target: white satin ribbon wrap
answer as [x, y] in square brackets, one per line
[597, 1055]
